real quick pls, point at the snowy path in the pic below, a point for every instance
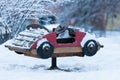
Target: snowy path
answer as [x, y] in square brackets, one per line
[104, 65]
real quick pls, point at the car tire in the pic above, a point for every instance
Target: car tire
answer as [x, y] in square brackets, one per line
[45, 50]
[90, 48]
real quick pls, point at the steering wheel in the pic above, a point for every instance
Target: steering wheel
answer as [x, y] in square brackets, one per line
[35, 26]
[60, 29]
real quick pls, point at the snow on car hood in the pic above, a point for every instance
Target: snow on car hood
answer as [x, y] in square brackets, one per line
[26, 38]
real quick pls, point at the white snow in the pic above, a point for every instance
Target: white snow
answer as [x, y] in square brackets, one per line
[105, 65]
[51, 26]
[26, 38]
[34, 32]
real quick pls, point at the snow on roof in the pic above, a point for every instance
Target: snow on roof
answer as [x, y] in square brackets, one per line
[51, 26]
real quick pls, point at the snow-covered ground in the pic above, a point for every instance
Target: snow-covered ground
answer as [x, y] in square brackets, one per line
[104, 65]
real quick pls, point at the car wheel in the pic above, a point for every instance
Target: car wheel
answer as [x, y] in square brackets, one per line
[45, 50]
[90, 48]
[18, 52]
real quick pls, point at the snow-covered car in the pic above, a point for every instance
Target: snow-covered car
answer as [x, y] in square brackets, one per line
[37, 41]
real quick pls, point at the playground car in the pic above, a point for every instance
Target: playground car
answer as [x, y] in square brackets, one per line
[38, 41]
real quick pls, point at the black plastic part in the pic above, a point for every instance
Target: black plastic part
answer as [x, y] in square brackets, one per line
[53, 64]
[66, 40]
[55, 67]
[46, 52]
[88, 51]
[18, 52]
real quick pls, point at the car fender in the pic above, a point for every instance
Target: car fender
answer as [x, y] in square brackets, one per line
[87, 37]
[41, 41]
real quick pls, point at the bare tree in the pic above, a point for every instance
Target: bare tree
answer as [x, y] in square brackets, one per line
[14, 13]
[87, 13]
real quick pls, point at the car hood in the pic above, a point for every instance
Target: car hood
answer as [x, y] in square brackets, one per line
[26, 38]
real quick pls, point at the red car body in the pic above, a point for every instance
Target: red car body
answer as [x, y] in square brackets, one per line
[50, 45]
[52, 38]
